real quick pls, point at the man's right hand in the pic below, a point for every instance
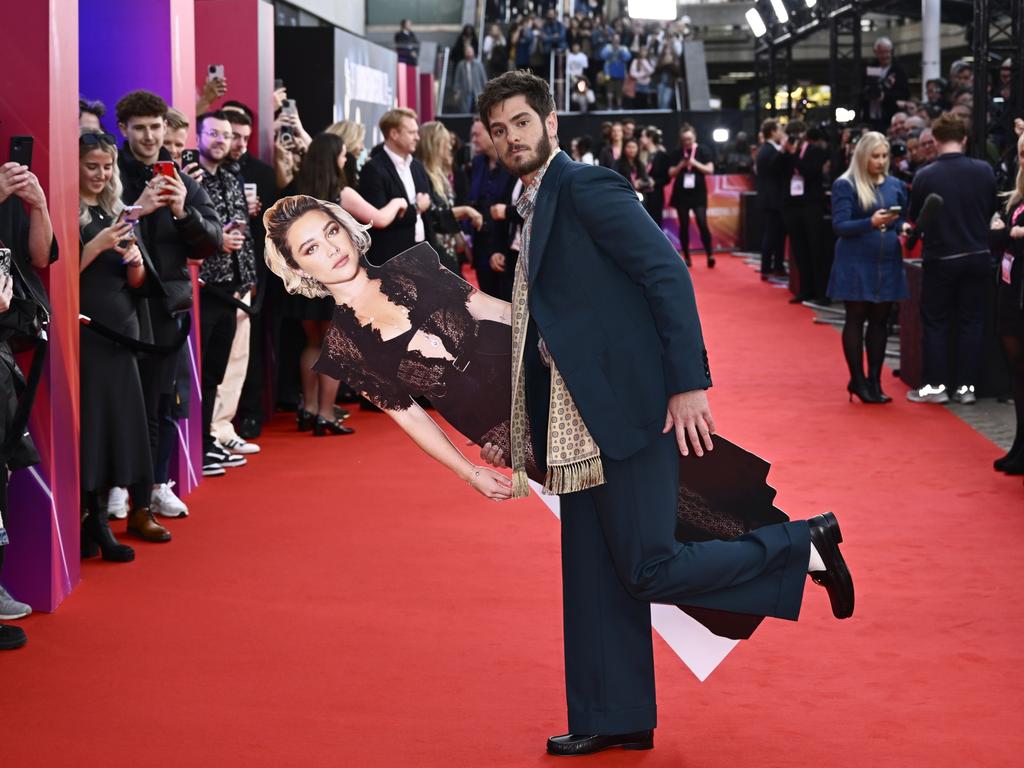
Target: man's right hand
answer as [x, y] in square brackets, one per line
[497, 262]
[233, 240]
[493, 455]
[151, 197]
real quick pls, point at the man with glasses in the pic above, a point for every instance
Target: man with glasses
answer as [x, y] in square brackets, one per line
[177, 223]
[227, 277]
[265, 324]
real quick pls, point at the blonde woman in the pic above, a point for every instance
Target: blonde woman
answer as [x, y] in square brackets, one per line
[435, 152]
[353, 135]
[868, 275]
[1008, 237]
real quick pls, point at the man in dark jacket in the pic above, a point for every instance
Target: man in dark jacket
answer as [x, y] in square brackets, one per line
[957, 262]
[608, 352]
[490, 192]
[177, 223]
[885, 86]
[394, 172]
[803, 210]
[265, 321]
[770, 192]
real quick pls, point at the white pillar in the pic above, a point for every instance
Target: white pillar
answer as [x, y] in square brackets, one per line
[931, 62]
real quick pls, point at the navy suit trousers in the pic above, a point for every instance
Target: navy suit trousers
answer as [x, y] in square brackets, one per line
[620, 554]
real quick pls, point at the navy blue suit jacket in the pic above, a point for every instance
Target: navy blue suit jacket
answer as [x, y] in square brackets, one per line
[614, 303]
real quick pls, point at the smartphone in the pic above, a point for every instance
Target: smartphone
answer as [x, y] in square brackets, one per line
[288, 107]
[236, 224]
[163, 168]
[250, 192]
[895, 209]
[287, 135]
[278, 83]
[5, 262]
[21, 150]
[129, 214]
[189, 156]
[215, 72]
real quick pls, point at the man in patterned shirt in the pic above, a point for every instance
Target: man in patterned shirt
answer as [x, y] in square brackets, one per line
[226, 276]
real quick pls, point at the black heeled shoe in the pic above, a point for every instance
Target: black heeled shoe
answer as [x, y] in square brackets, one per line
[323, 427]
[97, 538]
[711, 262]
[875, 385]
[304, 420]
[687, 259]
[1012, 457]
[863, 393]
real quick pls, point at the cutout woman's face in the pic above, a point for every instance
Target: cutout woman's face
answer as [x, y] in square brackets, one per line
[323, 249]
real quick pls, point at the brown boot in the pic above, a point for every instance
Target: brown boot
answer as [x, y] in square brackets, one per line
[142, 524]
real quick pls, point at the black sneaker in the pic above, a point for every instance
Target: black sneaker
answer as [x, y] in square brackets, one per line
[212, 466]
[11, 637]
[230, 460]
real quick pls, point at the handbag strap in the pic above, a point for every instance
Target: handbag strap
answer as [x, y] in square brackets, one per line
[18, 424]
[135, 345]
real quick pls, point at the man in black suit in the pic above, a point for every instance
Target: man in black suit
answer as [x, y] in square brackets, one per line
[769, 181]
[803, 210]
[394, 172]
[608, 353]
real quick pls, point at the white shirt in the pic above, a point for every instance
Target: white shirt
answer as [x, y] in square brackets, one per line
[576, 64]
[404, 167]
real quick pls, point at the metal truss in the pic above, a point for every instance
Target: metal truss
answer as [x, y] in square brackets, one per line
[997, 35]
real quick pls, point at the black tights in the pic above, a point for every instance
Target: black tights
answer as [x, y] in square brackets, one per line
[1014, 348]
[854, 339]
[700, 215]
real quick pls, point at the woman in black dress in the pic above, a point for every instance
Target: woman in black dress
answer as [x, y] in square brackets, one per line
[657, 169]
[114, 433]
[409, 328]
[632, 167]
[323, 176]
[691, 164]
[1009, 238]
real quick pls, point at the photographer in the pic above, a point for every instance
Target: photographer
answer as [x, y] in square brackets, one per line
[885, 86]
[957, 262]
[28, 239]
[177, 223]
[803, 210]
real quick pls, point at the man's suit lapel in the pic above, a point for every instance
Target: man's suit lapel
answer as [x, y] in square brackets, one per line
[544, 212]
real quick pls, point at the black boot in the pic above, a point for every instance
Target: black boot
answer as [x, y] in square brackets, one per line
[874, 383]
[97, 536]
[859, 386]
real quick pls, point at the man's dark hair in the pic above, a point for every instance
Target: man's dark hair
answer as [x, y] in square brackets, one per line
[517, 83]
[237, 106]
[948, 127]
[796, 128]
[768, 127]
[140, 104]
[215, 114]
[92, 107]
[236, 116]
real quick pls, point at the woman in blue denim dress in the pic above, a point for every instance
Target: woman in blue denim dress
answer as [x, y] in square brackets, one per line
[868, 274]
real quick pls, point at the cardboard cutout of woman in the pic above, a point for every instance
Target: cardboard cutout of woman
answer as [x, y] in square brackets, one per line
[411, 328]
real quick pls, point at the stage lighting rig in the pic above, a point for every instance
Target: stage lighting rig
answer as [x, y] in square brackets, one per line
[654, 10]
[780, 11]
[757, 25]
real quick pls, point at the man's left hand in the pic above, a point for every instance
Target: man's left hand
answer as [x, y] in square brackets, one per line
[690, 414]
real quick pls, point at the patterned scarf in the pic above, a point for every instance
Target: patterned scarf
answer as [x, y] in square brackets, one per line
[573, 458]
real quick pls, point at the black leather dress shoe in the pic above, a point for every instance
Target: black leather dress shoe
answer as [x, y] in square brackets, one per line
[249, 428]
[576, 744]
[836, 579]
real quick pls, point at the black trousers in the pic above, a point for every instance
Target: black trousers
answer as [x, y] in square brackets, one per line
[954, 287]
[157, 373]
[217, 325]
[773, 243]
[803, 225]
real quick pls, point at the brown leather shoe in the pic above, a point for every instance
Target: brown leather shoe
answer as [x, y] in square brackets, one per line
[142, 524]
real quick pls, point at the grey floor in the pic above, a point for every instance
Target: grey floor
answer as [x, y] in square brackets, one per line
[991, 418]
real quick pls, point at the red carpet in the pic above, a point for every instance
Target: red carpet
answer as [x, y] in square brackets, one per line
[344, 602]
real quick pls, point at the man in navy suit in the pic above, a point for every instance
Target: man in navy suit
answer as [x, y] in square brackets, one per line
[769, 182]
[394, 172]
[609, 305]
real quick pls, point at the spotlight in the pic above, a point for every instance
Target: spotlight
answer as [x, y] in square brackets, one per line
[720, 135]
[781, 14]
[659, 10]
[844, 115]
[811, 3]
[756, 23]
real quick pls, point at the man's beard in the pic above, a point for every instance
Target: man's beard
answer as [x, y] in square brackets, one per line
[542, 151]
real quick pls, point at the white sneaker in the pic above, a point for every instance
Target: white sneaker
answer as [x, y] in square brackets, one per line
[237, 445]
[928, 394]
[117, 503]
[164, 502]
[965, 395]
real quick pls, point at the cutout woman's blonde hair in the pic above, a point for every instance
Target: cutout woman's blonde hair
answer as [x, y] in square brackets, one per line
[278, 220]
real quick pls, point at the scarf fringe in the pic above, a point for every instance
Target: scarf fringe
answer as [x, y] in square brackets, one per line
[520, 484]
[575, 476]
